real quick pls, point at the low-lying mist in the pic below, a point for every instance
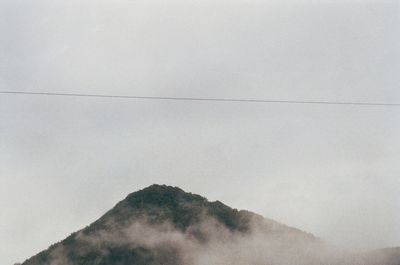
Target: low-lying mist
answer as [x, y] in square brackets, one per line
[208, 242]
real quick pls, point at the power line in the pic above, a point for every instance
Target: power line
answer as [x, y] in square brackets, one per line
[204, 99]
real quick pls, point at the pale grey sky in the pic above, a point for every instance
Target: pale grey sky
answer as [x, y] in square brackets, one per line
[330, 170]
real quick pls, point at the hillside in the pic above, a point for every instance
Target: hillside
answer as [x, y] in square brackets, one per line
[163, 225]
[160, 213]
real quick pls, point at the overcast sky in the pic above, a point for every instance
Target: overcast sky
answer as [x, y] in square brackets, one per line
[330, 170]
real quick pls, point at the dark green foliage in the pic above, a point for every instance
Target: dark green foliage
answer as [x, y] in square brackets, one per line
[156, 204]
[160, 203]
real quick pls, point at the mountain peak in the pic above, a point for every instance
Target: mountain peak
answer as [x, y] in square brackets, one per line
[161, 195]
[161, 203]
[159, 220]
[159, 188]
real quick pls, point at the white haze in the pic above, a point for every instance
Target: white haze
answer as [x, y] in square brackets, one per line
[329, 170]
[221, 246]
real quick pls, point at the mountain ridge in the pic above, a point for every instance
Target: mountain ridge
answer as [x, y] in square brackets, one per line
[164, 225]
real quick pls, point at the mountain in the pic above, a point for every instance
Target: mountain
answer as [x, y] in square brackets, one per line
[163, 225]
[386, 256]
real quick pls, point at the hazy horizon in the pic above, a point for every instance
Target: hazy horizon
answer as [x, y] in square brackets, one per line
[325, 169]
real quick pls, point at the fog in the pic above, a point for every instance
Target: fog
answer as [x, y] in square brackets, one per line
[329, 170]
[217, 245]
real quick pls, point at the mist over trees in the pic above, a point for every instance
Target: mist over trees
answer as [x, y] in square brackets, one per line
[163, 225]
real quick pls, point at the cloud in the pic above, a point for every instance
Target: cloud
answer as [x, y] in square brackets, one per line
[70, 159]
[207, 242]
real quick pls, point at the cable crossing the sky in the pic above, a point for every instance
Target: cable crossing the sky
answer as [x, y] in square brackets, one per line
[237, 100]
